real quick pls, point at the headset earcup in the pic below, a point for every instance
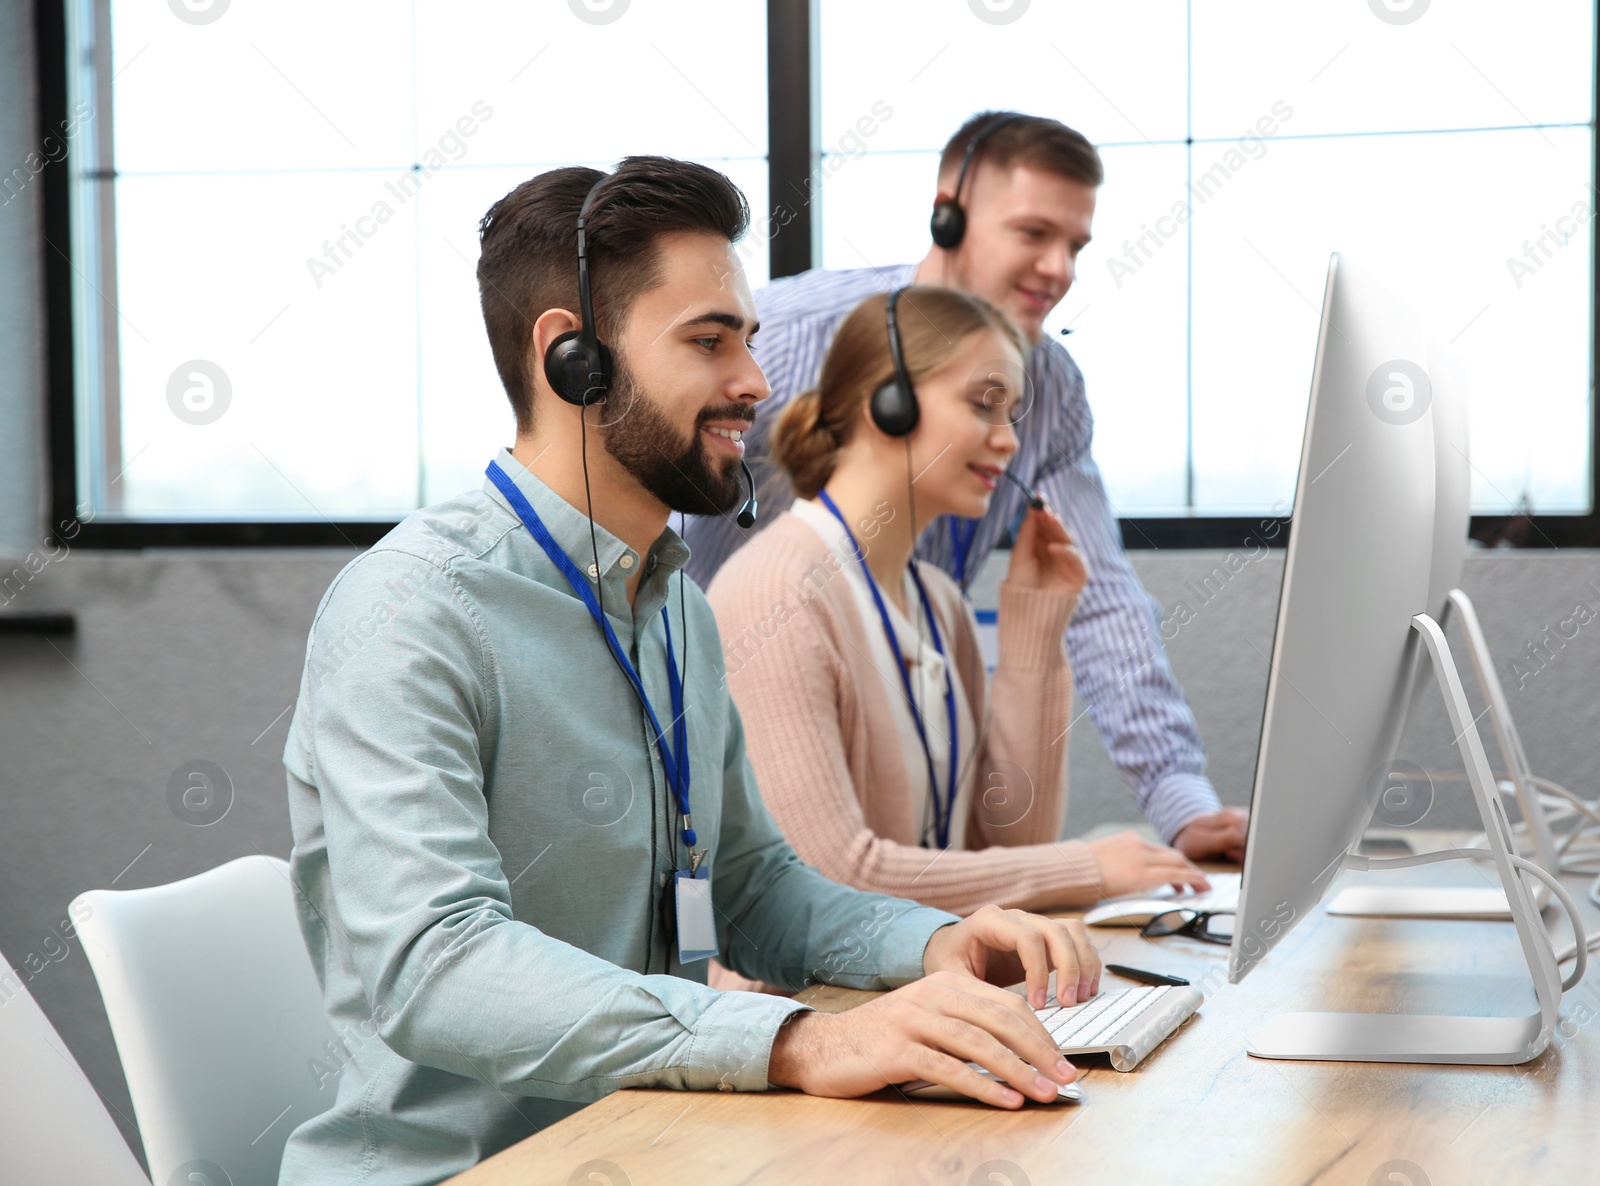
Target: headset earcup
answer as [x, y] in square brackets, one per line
[949, 223]
[573, 373]
[566, 367]
[894, 410]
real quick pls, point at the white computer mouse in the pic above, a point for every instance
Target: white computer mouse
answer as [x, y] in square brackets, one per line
[921, 1089]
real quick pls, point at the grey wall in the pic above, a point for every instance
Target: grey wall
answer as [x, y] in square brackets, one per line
[1220, 658]
[176, 658]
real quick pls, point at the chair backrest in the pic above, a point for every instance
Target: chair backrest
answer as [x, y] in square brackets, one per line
[217, 1016]
[53, 1127]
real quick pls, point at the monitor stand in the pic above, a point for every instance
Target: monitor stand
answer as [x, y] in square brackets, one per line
[1422, 901]
[1486, 902]
[1392, 1037]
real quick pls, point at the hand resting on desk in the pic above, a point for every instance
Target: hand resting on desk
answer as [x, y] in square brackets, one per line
[1217, 834]
[932, 1028]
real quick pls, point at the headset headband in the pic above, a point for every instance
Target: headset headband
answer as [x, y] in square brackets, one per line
[902, 376]
[587, 332]
[972, 146]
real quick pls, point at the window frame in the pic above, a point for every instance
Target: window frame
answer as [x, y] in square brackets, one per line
[793, 103]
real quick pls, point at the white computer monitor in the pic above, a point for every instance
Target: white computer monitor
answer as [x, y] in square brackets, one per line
[1360, 587]
[1406, 799]
[1358, 569]
[1403, 795]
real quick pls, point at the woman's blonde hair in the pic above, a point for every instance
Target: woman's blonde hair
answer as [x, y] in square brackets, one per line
[934, 325]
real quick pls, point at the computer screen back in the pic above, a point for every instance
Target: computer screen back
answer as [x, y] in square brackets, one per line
[1358, 569]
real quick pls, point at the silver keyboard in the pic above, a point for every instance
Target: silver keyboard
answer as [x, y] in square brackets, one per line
[1126, 1024]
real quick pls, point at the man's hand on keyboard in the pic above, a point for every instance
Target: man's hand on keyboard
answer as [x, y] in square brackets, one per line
[1129, 864]
[929, 1029]
[1005, 946]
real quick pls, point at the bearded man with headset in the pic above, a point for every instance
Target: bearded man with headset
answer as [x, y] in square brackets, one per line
[522, 810]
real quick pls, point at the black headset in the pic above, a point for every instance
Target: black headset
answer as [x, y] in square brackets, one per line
[949, 223]
[894, 404]
[578, 364]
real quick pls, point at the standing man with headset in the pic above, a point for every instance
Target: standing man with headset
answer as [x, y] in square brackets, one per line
[523, 815]
[1016, 195]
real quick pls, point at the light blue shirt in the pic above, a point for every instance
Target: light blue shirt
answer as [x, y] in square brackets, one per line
[483, 839]
[1114, 640]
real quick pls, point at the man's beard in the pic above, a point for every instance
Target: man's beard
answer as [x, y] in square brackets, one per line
[645, 443]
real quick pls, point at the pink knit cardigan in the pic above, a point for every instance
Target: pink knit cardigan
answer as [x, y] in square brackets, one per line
[823, 740]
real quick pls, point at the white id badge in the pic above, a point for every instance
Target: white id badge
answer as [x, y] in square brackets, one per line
[697, 929]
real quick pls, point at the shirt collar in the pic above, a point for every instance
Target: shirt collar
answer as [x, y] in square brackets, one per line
[569, 527]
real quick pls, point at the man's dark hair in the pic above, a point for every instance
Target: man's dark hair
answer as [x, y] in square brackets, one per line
[529, 257]
[1032, 140]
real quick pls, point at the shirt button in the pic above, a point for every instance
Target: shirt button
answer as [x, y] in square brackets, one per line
[593, 573]
[626, 562]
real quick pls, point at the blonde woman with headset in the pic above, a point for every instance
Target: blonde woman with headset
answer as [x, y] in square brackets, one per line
[885, 753]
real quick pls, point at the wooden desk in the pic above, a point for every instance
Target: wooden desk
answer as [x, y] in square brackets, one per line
[1197, 1110]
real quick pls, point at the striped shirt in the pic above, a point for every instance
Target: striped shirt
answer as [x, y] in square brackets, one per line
[1113, 639]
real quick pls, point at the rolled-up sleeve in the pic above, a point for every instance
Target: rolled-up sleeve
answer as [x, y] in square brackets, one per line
[400, 721]
[783, 922]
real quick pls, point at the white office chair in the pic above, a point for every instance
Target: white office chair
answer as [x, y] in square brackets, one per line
[218, 1018]
[53, 1127]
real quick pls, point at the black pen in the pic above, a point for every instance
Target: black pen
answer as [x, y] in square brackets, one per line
[1144, 977]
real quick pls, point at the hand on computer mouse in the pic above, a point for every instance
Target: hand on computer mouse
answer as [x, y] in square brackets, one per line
[1129, 863]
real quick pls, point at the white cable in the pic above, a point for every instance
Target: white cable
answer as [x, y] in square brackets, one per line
[1578, 850]
[1577, 804]
[1582, 943]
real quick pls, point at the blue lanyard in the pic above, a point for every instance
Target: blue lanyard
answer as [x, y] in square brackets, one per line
[941, 811]
[674, 760]
[962, 533]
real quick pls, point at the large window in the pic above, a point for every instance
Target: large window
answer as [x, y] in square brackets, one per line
[1448, 146]
[274, 211]
[285, 322]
